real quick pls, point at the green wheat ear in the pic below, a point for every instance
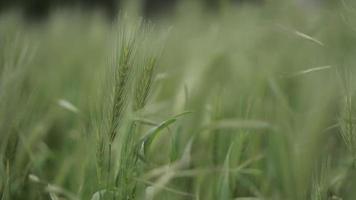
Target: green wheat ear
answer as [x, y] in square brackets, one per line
[117, 90]
[122, 78]
[144, 66]
[11, 147]
[347, 123]
[144, 83]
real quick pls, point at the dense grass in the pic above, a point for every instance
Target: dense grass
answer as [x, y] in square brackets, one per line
[246, 103]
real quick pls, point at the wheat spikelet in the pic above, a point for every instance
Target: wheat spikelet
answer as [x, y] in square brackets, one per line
[122, 78]
[144, 84]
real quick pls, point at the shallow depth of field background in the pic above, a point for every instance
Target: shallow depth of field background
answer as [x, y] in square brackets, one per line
[247, 100]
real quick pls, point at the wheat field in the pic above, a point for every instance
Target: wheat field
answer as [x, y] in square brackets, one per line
[248, 103]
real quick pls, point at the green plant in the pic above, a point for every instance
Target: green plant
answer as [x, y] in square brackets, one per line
[238, 104]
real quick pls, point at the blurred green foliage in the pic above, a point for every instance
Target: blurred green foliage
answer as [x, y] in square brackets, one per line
[247, 103]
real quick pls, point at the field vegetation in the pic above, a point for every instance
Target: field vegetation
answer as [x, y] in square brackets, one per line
[250, 102]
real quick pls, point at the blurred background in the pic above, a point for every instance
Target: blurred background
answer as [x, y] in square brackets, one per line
[39, 9]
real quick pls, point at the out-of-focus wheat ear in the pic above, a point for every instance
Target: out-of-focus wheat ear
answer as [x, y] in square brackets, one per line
[144, 83]
[347, 114]
[100, 157]
[11, 147]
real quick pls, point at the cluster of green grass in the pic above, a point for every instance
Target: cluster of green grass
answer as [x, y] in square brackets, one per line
[254, 102]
